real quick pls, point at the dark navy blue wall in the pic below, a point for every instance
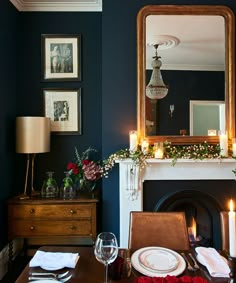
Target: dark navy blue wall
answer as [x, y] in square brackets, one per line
[108, 89]
[119, 86]
[30, 91]
[8, 32]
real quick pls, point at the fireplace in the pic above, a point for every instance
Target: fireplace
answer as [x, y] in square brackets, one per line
[201, 200]
[200, 188]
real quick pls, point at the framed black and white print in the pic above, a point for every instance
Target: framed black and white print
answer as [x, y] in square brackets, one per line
[63, 107]
[61, 57]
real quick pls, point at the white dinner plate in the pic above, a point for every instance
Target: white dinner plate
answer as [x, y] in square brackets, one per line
[51, 268]
[158, 260]
[148, 272]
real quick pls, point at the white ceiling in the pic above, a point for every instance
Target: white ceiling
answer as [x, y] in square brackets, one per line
[58, 5]
[201, 42]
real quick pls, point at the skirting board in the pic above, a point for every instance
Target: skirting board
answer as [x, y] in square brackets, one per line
[4, 256]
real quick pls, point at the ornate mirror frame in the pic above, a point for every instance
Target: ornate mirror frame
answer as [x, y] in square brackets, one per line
[229, 68]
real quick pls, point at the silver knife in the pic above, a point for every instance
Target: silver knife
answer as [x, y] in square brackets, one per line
[41, 278]
[189, 266]
[194, 261]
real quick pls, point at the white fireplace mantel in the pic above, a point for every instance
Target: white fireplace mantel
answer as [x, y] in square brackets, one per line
[131, 181]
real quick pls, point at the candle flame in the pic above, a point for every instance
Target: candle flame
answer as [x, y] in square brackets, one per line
[231, 205]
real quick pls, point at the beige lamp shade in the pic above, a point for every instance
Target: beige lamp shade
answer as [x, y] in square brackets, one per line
[32, 134]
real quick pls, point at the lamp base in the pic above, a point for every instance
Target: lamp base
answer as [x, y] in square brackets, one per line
[34, 193]
[22, 196]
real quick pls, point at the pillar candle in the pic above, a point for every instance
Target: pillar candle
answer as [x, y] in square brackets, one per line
[145, 146]
[234, 147]
[224, 145]
[232, 230]
[133, 140]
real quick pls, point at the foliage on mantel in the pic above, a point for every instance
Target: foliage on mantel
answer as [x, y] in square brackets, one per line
[174, 152]
[196, 151]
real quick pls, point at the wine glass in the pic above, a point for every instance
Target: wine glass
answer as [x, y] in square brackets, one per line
[106, 249]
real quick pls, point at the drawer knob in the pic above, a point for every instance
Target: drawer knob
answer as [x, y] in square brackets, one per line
[32, 210]
[72, 227]
[72, 211]
[32, 228]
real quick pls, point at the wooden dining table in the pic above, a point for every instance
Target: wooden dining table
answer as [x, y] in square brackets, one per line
[89, 270]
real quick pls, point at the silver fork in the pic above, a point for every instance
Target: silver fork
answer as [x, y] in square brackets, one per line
[56, 276]
[49, 278]
[195, 265]
[189, 266]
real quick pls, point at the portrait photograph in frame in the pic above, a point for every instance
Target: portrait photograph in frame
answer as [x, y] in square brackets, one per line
[61, 57]
[63, 107]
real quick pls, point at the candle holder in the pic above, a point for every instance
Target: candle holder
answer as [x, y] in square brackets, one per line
[232, 266]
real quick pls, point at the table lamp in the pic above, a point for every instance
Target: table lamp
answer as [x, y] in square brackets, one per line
[32, 137]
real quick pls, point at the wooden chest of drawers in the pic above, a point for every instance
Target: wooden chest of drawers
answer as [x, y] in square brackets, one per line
[44, 221]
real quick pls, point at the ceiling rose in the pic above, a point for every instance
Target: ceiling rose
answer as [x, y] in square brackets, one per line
[164, 41]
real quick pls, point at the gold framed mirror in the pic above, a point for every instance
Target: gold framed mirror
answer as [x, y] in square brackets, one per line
[229, 70]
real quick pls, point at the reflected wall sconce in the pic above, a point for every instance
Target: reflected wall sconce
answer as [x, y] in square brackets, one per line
[172, 108]
[32, 137]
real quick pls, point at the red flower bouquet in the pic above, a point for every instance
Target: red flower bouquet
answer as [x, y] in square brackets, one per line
[85, 171]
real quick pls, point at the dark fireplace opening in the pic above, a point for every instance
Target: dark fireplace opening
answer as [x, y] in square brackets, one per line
[201, 200]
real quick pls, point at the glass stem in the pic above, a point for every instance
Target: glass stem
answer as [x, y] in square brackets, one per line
[106, 272]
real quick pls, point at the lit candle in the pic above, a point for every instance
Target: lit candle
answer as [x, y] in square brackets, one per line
[224, 145]
[234, 147]
[232, 230]
[133, 140]
[145, 146]
[211, 132]
[159, 152]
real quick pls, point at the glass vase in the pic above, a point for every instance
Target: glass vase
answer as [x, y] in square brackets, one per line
[67, 188]
[49, 188]
[86, 186]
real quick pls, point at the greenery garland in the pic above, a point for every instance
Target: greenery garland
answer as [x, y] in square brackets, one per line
[197, 151]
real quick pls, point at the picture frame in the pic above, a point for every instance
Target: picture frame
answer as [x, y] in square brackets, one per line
[63, 107]
[61, 57]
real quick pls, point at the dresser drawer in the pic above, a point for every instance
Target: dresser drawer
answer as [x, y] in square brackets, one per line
[55, 228]
[53, 221]
[51, 211]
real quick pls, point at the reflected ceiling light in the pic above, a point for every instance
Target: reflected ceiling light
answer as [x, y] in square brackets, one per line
[156, 88]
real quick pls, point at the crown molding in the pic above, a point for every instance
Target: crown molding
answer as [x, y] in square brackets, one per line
[58, 5]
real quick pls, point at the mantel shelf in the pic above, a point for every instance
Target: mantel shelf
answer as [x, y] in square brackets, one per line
[182, 160]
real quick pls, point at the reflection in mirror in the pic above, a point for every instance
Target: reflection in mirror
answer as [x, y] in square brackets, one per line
[207, 118]
[197, 64]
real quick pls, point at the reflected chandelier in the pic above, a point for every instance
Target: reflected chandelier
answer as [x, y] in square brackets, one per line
[156, 89]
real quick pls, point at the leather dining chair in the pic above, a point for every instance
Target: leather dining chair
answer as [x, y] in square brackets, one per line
[163, 229]
[224, 222]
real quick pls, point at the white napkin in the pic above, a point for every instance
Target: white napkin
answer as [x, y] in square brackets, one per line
[54, 260]
[216, 265]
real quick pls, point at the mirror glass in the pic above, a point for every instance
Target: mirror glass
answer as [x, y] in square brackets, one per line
[196, 51]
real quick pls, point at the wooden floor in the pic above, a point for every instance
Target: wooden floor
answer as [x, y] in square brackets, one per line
[17, 266]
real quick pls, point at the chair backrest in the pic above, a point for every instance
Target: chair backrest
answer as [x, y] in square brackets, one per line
[224, 222]
[162, 229]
